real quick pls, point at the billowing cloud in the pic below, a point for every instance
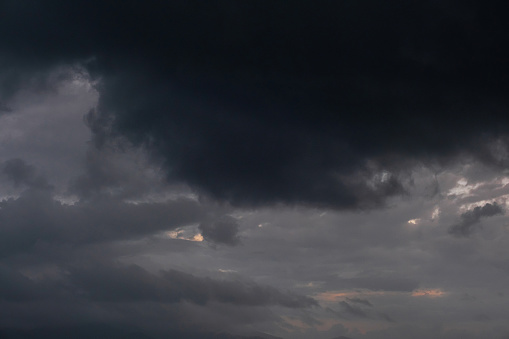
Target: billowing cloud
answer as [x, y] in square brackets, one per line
[321, 110]
[228, 169]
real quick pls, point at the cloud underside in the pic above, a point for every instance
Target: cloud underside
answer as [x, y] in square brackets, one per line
[302, 106]
[231, 140]
[67, 258]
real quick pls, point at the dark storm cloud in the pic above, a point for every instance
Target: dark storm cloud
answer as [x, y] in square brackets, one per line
[59, 270]
[36, 218]
[260, 102]
[133, 283]
[104, 331]
[97, 291]
[223, 230]
[472, 218]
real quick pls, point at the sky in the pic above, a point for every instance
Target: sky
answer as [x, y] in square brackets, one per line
[254, 169]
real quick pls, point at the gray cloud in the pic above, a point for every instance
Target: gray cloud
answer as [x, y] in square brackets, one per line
[132, 283]
[53, 222]
[16, 287]
[301, 121]
[361, 301]
[223, 230]
[4, 108]
[352, 310]
[20, 173]
[472, 218]
[378, 283]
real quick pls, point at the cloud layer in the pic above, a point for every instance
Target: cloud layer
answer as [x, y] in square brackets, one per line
[260, 103]
[253, 169]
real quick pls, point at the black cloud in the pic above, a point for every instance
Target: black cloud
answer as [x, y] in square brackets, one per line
[472, 218]
[266, 102]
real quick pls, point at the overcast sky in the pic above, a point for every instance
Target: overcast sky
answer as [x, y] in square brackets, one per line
[254, 169]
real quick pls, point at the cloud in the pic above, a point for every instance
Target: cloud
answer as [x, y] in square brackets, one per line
[221, 231]
[132, 283]
[352, 310]
[215, 117]
[51, 222]
[20, 173]
[322, 110]
[472, 218]
[97, 292]
[16, 287]
[379, 283]
[105, 331]
[361, 301]
[4, 108]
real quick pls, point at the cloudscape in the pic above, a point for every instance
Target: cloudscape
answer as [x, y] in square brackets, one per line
[254, 169]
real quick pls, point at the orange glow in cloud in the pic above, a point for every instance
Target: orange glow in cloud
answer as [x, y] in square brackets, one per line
[334, 296]
[179, 235]
[197, 237]
[431, 293]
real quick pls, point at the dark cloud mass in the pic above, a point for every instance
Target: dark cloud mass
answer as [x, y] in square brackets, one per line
[110, 283]
[50, 221]
[263, 102]
[472, 218]
[251, 169]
